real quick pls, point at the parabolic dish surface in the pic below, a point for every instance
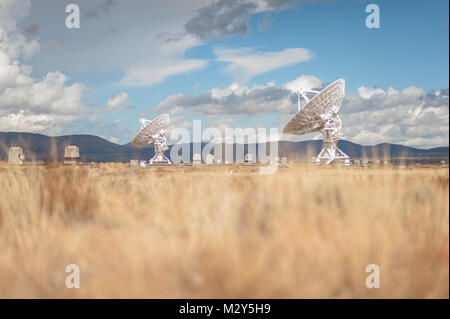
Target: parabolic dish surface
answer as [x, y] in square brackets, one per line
[145, 135]
[313, 115]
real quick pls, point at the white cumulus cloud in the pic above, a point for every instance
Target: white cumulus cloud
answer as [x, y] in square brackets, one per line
[118, 103]
[410, 117]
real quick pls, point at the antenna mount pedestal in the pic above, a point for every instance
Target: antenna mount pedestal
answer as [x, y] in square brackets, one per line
[331, 135]
[160, 147]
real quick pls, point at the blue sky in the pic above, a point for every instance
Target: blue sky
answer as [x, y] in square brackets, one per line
[410, 48]
[149, 58]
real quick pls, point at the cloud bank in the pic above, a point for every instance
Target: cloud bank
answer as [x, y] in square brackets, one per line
[40, 105]
[27, 104]
[370, 116]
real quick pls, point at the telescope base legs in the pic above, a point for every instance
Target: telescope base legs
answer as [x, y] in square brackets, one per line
[330, 152]
[160, 158]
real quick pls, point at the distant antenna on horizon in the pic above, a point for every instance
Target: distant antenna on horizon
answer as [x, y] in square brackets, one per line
[16, 155]
[154, 133]
[71, 155]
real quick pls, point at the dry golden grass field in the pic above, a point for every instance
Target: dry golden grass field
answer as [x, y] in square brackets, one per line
[304, 232]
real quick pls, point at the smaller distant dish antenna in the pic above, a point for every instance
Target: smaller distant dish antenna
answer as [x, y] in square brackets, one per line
[320, 113]
[154, 133]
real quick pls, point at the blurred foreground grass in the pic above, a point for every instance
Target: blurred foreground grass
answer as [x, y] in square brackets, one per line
[304, 232]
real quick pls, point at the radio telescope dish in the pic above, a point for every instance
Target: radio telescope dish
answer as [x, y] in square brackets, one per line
[320, 114]
[154, 133]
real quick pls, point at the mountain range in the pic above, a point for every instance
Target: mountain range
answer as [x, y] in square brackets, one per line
[96, 149]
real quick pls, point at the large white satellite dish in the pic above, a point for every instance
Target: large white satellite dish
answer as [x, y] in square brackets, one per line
[320, 114]
[154, 132]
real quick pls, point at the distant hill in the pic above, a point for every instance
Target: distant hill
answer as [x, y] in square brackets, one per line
[93, 148]
[97, 149]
